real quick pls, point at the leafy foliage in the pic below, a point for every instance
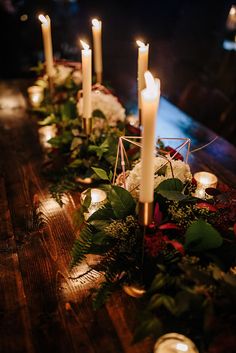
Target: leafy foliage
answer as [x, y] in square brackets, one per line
[187, 260]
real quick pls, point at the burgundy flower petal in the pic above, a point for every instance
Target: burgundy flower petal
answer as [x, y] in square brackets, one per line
[178, 246]
[157, 214]
[207, 206]
[168, 226]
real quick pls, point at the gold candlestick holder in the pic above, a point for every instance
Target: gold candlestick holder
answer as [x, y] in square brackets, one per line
[145, 213]
[140, 117]
[87, 126]
[51, 85]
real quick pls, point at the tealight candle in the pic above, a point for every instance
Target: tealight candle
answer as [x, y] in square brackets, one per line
[204, 180]
[98, 199]
[174, 343]
[45, 134]
[36, 95]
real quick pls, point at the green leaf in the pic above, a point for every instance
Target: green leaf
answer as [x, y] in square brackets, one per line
[100, 224]
[158, 282]
[201, 236]
[104, 213]
[110, 176]
[68, 110]
[148, 327]
[50, 119]
[97, 113]
[172, 184]
[121, 201]
[76, 163]
[87, 200]
[172, 195]
[101, 238]
[101, 173]
[78, 217]
[171, 189]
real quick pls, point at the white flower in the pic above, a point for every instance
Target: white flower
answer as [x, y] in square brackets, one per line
[77, 77]
[61, 73]
[107, 104]
[180, 169]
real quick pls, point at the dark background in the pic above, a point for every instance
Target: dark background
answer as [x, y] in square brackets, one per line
[186, 48]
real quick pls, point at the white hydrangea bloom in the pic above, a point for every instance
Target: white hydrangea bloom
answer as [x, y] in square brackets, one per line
[61, 73]
[77, 77]
[181, 171]
[107, 104]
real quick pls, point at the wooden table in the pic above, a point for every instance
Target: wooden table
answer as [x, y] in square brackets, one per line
[41, 307]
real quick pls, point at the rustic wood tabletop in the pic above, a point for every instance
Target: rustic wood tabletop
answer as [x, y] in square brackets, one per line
[43, 307]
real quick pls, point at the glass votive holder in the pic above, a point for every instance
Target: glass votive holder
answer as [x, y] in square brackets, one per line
[98, 199]
[36, 95]
[231, 20]
[45, 134]
[174, 343]
[204, 180]
[133, 120]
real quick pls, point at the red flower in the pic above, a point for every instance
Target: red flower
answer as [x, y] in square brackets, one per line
[173, 152]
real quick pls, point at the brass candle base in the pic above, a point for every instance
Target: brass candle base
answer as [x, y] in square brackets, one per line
[145, 213]
[99, 77]
[87, 126]
[51, 85]
[140, 117]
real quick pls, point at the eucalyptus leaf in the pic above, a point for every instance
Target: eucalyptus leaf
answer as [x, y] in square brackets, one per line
[202, 236]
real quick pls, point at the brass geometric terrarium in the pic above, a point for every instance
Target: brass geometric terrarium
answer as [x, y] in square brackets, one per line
[175, 146]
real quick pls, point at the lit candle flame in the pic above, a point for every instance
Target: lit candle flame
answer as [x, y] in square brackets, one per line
[182, 347]
[232, 11]
[43, 19]
[152, 84]
[96, 23]
[84, 45]
[140, 44]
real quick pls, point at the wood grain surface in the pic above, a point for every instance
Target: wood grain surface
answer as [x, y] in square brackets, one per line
[43, 307]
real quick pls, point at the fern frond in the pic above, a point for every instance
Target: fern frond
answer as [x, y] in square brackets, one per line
[82, 246]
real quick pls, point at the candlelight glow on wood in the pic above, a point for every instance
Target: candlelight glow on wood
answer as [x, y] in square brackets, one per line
[150, 101]
[47, 43]
[142, 68]
[36, 95]
[98, 199]
[174, 343]
[87, 85]
[97, 47]
[204, 180]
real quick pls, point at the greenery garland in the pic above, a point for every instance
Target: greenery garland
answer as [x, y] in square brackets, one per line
[188, 270]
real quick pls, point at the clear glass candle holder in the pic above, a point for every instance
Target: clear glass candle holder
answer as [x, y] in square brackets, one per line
[45, 134]
[98, 199]
[204, 180]
[36, 95]
[174, 343]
